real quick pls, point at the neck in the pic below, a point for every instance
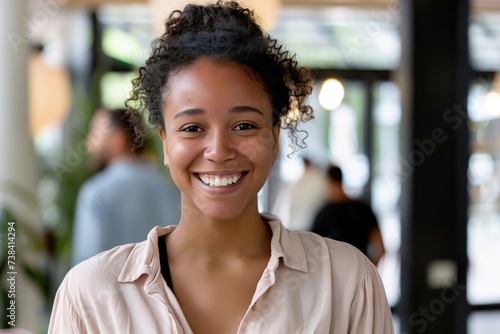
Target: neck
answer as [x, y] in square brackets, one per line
[337, 194]
[124, 157]
[245, 237]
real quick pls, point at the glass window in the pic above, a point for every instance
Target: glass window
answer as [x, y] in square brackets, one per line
[483, 322]
[334, 136]
[346, 137]
[386, 182]
[483, 244]
[338, 136]
[484, 37]
[127, 32]
[115, 88]
[483, 228]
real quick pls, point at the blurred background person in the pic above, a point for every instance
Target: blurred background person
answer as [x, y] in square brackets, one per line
[298, 204]
[127, 197]
[348, 220]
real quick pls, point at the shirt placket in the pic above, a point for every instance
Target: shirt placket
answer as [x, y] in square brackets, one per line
[176, 318]
[253, 318]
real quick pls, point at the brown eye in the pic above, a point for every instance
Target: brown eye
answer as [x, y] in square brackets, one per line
[191, 128]
[244, 126]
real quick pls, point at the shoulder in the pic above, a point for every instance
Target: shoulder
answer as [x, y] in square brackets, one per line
[99, 273]
[107, 277]
[138, 175]
[94, 184]
[363, 208]
[345, 261]
[342, 270]
[140, 169]
[359, 205]
[321, 260]
[91, 292]
[327, 207]
[337, 250]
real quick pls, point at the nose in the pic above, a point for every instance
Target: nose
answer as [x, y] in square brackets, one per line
[220, 147]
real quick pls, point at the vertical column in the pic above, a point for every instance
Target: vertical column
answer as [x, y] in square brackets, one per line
[17, 172]
[434, 82]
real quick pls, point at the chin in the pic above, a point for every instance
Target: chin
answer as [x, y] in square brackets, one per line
[222, 212]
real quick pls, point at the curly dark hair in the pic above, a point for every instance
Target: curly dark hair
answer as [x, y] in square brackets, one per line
[223, 32]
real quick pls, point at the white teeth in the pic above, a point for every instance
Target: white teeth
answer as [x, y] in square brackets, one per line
[219, 181]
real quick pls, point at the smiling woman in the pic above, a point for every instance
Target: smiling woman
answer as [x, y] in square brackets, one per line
[218, 127]
[219, 91]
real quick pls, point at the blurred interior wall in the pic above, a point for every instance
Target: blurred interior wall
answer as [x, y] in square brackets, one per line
[17, 170]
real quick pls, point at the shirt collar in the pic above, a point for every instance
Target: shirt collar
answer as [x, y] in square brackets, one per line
[144, 258]
[285, 244]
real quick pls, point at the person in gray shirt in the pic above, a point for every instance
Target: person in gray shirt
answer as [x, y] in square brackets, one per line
[126, 197]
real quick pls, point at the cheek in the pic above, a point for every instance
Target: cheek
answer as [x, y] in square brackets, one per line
[94, 139]
[256, 147]
[180, 154]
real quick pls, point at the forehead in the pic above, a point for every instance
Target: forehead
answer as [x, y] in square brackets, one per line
[216, 73]
[221, 85]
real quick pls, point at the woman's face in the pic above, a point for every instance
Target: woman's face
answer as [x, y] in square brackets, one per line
[219, 141]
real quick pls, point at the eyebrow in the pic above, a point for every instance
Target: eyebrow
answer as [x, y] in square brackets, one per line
[244, 109]
[199, 111]
[189, 112]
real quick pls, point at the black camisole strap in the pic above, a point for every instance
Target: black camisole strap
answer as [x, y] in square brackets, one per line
[165, 268]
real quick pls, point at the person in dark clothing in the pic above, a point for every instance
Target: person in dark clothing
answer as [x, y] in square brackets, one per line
[348, 220]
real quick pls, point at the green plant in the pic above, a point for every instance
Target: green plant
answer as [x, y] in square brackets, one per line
[11, 261]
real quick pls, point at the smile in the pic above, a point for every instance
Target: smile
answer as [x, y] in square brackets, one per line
[219, 181]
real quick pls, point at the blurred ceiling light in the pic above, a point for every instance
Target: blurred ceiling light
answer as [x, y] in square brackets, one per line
[492, 98]
[492, 103]
[331, 94]
[266, 10]
[481, 168]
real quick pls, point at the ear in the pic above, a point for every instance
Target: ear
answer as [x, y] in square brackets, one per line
[276, 140]
[163, 137]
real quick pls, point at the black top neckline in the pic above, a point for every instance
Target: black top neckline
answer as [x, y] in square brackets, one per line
[164, 266]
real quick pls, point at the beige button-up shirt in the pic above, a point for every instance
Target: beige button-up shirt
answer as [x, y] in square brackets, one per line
[310, 285]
